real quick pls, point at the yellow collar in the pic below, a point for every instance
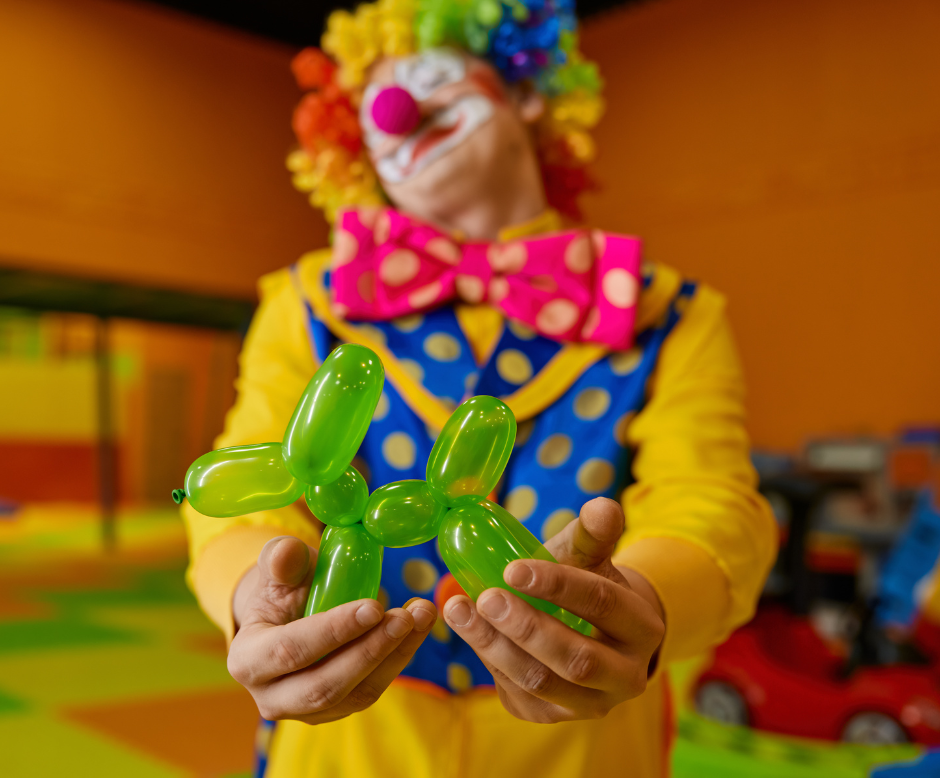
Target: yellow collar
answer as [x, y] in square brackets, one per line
[547, 221]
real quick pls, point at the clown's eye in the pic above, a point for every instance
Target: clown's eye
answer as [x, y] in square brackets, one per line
[425, 73]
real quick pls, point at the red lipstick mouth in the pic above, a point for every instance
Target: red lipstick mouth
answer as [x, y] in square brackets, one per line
[432, 138]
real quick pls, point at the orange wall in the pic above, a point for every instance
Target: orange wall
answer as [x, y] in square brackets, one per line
[788, 152]
[145, 145]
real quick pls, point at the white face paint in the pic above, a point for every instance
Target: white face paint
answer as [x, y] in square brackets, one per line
[423, 75]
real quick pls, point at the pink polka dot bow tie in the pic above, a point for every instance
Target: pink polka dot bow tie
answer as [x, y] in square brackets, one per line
[572, 286]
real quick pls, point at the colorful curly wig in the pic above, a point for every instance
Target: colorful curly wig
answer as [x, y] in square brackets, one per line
[525, 40]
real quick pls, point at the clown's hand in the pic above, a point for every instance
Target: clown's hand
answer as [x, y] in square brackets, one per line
[325, 666]
[545, 671]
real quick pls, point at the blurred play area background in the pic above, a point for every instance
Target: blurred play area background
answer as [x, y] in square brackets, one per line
[787, 151]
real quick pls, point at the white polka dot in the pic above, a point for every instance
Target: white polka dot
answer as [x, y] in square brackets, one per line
[365, 285]
[399, 267]
[499, 288]
[421, 298]
[442, 347]
[381, 227]
[619, 287]
[557, 317]
[521, 502]
[578, 256]
[345, 247]
[591, 403]
[398, 449]
[470, 288]
[544, 283]
[444, 250]
[554, 450]
[510, 258]
[590, 322]
[513, 366]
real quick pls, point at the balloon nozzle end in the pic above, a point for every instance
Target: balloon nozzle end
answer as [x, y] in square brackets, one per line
[178, 496]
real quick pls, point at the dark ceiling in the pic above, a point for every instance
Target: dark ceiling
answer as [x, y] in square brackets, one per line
[300, 22]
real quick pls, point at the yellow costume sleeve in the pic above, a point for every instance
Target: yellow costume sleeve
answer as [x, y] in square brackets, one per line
[697, 529]
[274, 367]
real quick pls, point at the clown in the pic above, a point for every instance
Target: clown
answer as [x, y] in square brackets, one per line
[446, 140]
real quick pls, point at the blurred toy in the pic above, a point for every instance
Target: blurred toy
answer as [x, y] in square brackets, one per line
[910, 561]
[778, 674]
[838, 650]
[477, 538]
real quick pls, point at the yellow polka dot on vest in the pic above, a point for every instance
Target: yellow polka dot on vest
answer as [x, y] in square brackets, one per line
[513, 366]
[381, 408]
[621, 426]
[591, 403]
[521, 501]
[408, 323]
[440, 631]
[442, 347]
[383, 597]
[363, 467]
[373, 333]
[419, 575]
[520, 330]
[595, 476]
[413, 369]
[556, 522]
[524, 431]
[682, 302]
[624, 362]
[458, 677]
[398, 449]
[554, 451]
[470, 381]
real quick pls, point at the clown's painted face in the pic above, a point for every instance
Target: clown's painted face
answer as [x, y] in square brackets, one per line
[454, 96]
[466, 133]
[451, 105]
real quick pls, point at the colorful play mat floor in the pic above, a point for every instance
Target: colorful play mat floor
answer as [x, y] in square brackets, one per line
[109, 669]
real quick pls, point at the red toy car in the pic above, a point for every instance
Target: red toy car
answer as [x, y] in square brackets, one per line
[777, 674]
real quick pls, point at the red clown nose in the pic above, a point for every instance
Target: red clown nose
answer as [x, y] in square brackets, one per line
[395, 111]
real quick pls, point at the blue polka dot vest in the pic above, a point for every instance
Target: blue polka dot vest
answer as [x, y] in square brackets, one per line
[574, 450]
